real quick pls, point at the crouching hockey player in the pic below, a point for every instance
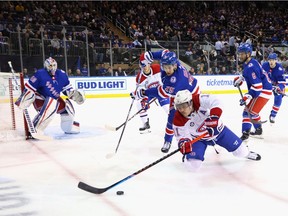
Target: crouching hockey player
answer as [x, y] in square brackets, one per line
[148, 77]
[196, 115]
[43, 90]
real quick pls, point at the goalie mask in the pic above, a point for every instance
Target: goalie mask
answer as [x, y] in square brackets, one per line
[50, 65]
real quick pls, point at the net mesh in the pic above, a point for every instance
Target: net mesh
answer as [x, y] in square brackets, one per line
[11, 118]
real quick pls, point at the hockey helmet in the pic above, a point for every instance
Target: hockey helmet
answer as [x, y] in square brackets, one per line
[169, 58]
[142, 61]
[245, 47]
[50, 65]
[182, 97]
[272, 56]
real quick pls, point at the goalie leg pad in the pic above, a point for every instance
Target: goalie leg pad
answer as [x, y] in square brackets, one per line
[25, 99]
[68, 124]
[46, 114]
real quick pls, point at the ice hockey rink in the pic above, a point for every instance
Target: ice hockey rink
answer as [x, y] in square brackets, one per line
[41, 177]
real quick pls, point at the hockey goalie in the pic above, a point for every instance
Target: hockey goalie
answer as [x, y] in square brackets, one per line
[43, 90]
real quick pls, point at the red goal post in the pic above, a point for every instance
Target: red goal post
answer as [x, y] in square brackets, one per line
[12, 126]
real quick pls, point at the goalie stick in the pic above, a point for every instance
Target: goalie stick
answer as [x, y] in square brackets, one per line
[109, 127]
[249, 114]
[95, 190]
[29, 124]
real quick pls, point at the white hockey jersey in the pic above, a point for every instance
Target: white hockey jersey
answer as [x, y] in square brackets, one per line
[149, 81]
[204, 106]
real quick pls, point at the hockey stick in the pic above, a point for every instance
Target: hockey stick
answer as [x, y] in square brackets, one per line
[30, 125]
[125, 123]
[95, 190]
[117, 128]
[249, 114]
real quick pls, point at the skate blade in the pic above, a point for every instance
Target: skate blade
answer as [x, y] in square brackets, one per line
[257, 136]
[145, 132]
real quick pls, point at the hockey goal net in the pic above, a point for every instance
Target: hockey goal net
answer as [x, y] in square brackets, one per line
[12, 124]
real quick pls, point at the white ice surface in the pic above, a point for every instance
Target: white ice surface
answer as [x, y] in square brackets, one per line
[41, 177]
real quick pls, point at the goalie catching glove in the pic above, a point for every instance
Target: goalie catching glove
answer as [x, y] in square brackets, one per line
[77, 96]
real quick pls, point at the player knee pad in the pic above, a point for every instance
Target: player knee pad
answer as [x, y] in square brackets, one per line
[46, 114]
[193, 165]
[242, 151]
[68, 125]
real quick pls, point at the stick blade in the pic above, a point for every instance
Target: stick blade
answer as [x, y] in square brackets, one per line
[88, 188]
[39, 136]
[109, 127]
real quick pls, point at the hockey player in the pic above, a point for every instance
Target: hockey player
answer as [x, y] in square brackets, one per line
[276, 74]
[174, 78]
[148, 77]
[43, 89]
[259, 90]
[199, 114]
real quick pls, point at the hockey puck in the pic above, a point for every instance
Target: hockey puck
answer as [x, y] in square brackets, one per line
[120, 192]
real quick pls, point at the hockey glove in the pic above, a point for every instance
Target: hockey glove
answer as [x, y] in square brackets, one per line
[246, 100]
[185, 146]
[238, 81]
[148, 57]
[211, 124]
[145, 104]
[276, 90]
[77, 96]
[137, 95]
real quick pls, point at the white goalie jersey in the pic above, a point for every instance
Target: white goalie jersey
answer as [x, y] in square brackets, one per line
[149, 81]
[204, 106]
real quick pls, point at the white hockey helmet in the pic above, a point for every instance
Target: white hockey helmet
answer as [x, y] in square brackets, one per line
[182, 97]
[50, 64]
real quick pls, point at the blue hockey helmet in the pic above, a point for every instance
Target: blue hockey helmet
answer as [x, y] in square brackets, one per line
[169, 58]
[272, 56]
[245, 47]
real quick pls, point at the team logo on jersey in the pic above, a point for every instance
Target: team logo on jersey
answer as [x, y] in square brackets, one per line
[173, 79]
[253, 75]
[250, 65]
[192, 124]
[236, 142]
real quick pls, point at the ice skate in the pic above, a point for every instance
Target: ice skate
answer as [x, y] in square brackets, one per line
[146, 128]
[272, 119]
[245, 136]
[257, 133]
[166, 147]
[254, 156]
